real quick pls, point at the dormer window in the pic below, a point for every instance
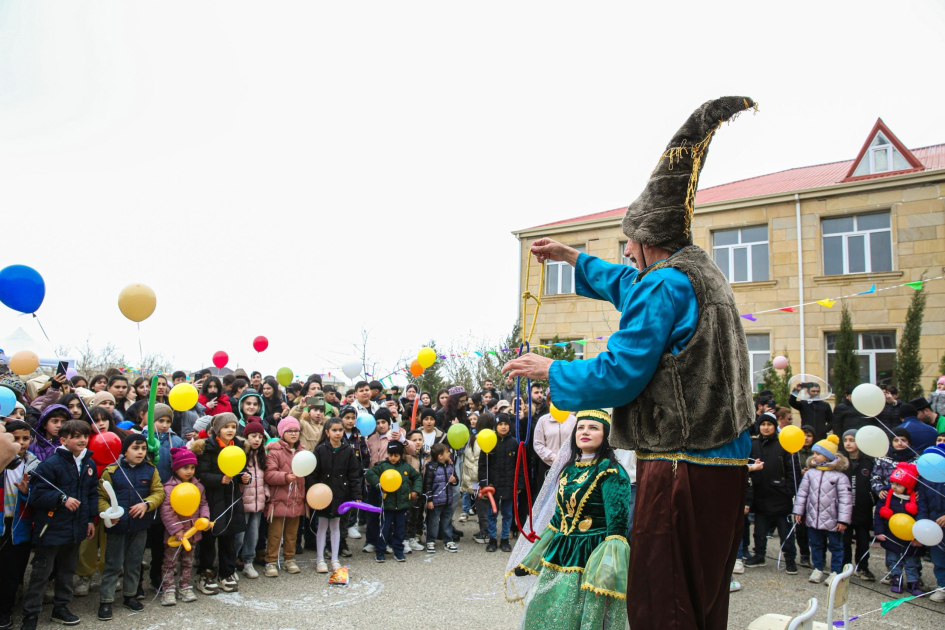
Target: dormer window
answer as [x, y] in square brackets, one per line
[883, 153]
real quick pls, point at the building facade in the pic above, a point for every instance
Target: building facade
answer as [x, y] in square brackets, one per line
[785, 241]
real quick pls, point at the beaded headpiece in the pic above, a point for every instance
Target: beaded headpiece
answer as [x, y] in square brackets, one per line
[594, 414]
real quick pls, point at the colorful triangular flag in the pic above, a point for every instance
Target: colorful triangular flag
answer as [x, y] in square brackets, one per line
[872, 289]
[582, 342]
[826, 302]
[887, 606]
[494, 352]
[750, 317]
[478, 354]
[789, 309]
[917, 285]
[542, 346]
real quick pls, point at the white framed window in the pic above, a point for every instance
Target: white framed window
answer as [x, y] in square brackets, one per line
[876, 351]
[742, 254]
[857, 244]
[577, 347]
[759, 352]
[559, 276]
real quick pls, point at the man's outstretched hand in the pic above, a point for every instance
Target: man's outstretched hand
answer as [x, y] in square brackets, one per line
[547, 249]
[530, 366]
[8, 448]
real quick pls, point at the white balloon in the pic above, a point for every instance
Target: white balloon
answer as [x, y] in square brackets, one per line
[868, 400]
[873, 441]
[927, 532]
[303, 464]
[351, 369]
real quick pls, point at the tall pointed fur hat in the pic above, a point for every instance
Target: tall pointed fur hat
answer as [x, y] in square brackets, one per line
[662, 215]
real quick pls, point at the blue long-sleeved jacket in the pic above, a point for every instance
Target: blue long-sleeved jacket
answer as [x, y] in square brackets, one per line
[54, 480]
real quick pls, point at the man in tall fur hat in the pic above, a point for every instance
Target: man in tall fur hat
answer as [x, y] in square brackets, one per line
[677, 375]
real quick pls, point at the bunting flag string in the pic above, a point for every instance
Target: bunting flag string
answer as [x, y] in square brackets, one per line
[829, 302]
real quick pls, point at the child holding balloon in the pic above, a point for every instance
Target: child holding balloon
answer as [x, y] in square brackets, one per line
[895, 532]
[126, 539]
[401, 485]
[179, 513]
[255, 495]
[286, 501]
[220, 469]
[338, 467]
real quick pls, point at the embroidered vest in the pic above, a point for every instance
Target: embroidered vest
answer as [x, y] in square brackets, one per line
[701, 397]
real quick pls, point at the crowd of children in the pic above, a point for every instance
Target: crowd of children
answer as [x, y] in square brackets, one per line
[55, 494]
[829, 496]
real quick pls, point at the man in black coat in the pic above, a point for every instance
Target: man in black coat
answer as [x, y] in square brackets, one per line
[814, 411]
[846, 417]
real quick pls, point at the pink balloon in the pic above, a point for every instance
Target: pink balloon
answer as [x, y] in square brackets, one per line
[260, 343]
[779, 363]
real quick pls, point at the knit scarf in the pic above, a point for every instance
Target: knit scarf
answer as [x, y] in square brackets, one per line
[901, 455]
[224, 444]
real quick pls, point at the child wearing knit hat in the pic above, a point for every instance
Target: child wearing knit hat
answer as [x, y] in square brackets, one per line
[824, 503]
[902, 556]
[255, 494]
[184, 465]
[859, 473]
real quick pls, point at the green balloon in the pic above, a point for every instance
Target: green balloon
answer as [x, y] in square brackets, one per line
[284, 376]
[271, 440]
[458, 435]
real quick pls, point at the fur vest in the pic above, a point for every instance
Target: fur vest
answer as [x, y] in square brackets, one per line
[701, 397]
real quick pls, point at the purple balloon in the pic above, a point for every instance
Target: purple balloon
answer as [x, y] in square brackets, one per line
[347, 505]
[70, 373]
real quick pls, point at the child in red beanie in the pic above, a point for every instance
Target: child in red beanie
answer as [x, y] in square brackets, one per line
[902, 556]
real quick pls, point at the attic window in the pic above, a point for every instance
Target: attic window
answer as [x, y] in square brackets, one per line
[882, 157]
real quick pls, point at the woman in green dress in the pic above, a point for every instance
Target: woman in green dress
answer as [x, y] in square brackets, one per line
[582, 557]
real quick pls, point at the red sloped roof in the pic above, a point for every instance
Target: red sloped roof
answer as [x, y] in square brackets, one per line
[791, 180]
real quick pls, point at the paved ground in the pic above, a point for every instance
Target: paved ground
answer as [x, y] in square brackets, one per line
[447, 590]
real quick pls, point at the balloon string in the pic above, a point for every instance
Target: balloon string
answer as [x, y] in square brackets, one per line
[140, 348]
[865, 555]
[46, 336]
[919, 479]
[786, 539]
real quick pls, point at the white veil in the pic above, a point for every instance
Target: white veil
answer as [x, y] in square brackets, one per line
[516, 588]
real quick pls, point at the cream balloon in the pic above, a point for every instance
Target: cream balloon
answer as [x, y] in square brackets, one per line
[872, 440]
[351, 369]
[927, 532]
[868, 400]
[303, 463]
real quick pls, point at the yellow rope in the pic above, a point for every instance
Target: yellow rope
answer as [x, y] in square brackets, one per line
[528, 295]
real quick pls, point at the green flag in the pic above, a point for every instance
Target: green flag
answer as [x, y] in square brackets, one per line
[917, 285]
[581, 342]
[887, 606]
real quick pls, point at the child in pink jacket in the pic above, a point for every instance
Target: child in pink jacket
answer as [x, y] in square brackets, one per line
[286, 497]
[184, 465]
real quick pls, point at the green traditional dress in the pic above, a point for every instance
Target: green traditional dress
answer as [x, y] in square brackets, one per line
[583, 556]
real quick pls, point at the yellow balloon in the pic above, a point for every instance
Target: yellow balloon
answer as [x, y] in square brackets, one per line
[137, 302]
[232, 460]
[559, 414]
[791, 438]
[183, 397]
[486, 439]
[24, 362]
[185, 499]
[391, 480]
[901, 526]
[426, 357]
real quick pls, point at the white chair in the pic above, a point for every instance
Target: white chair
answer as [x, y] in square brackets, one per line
[837, 598]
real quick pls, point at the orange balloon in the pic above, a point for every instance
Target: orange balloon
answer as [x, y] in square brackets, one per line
[415, 368]
[24, 362]
[318, 496]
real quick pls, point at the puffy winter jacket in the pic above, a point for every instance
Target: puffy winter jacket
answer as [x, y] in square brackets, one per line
[824, 497]
[132, 485]
[286, 499]
[256, 492]
[56, 476]
[884, 467]
[436, 484]
[881, 528]
[42, 446]
[469, 481]
[340, 470]
[223, 405]
[773, 486]
[174, 522]
[221, 497]
[931, 501]
[860, 473]
[412, 482]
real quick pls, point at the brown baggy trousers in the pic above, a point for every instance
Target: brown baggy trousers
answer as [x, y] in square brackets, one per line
[687, 527]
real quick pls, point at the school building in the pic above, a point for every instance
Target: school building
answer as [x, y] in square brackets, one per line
[785, 240]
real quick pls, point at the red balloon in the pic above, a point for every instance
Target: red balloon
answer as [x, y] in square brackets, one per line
[105, 447]
[220, 359]
[260, 343]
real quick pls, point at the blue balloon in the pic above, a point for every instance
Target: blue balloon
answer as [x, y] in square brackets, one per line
[125, 424]
[366, 424]
[7, 401]
[22, 288]
[932, 467]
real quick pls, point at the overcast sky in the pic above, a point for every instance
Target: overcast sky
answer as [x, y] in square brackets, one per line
[302, 169]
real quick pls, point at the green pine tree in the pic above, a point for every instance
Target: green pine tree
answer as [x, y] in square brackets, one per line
[777, 381]
[909, 355]
[846, 364]
[941, 372]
